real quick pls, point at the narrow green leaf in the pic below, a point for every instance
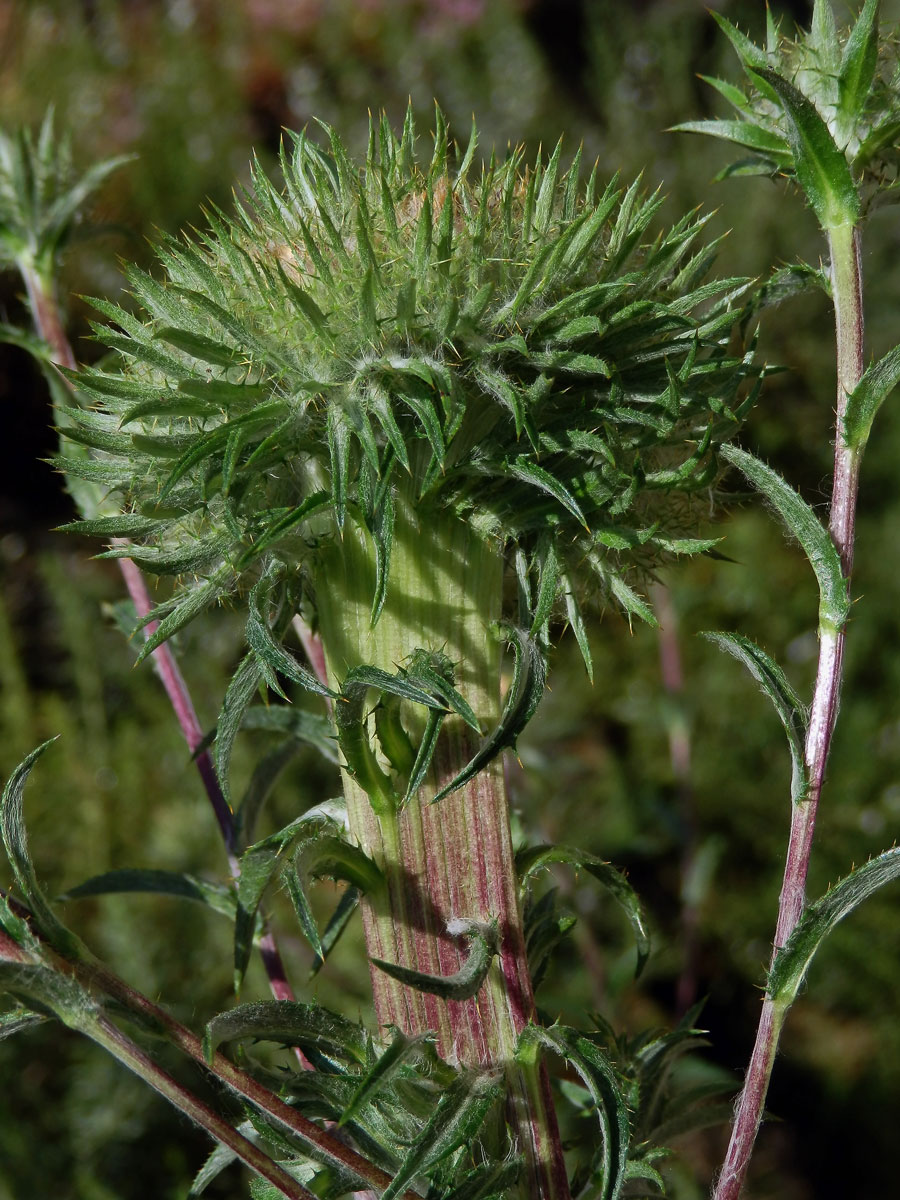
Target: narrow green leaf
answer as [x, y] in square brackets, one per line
[297, 892]
[436, 673]
[216, 1163]
[548, 586]
[358, 679]
[400, 1050]
[244, 685]
[18, 1020]
[464, 983]
[268, 650]
[337, 923]
[629, 599]
[289, 1023]
[547, 191]
[424, 755]
[529, 472]
[522, 699]
[732, 94]
[792, 961]
[576, 621]
[198, 346]
[749, 54]
[195, 601]
[787, 704]
[260, 865]
[43, 987]
[802, 522]
[822, 170]
[764, 141]
[877, 383]
[858, 63]
[15, 842]
[128, 525]
[538, 858]
[165, 883]
[338, 430]
[604, 1085]
[286, 526]
[456, 1120]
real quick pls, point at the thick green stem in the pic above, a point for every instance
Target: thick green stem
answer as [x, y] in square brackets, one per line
[846, 283]
[454, 859]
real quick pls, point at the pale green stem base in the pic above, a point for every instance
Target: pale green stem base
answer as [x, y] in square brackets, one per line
[453, 859]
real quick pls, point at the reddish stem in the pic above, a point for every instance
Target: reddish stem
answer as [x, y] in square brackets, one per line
[846, 279]
[47, 318]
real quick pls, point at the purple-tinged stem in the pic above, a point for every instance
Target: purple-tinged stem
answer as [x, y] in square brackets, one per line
[111, 1038]
[235, 1078]
[95, 975]
[48, 321]
[846, 282]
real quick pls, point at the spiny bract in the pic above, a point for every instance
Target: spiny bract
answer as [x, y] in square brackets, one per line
[848, 77]
[495, 343]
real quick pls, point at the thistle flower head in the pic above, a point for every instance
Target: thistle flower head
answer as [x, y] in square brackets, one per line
[820, 108]
[499, 343]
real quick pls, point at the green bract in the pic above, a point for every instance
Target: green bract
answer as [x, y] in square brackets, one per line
[497, 346]
[41, 194]
[821, 109]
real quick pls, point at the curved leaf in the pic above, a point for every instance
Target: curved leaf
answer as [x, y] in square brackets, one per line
[464, 983]
[260, 864]
[538, 858]
[601, 1080]
[802, 522]
[290, 1023]
[877, 383]
[522, 699]
[772, 680]
[332, 858]
[15, 842]
[792, 962]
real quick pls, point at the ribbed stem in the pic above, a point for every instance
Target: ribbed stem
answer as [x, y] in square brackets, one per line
[846, 282]
[453, 859]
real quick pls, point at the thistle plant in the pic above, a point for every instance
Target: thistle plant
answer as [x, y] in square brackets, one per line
[822, 111]
[409, 413]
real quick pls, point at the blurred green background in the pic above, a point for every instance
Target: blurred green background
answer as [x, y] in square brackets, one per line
[193, 87]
